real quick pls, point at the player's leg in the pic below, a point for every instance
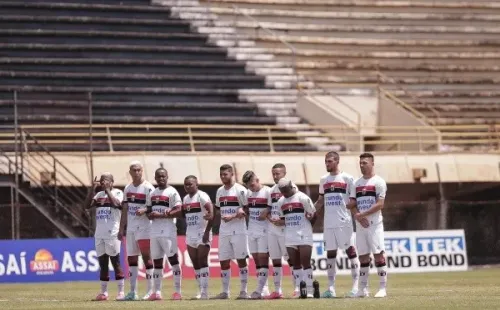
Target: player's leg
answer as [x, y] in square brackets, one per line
[276, 257]
[103, 260]
[331, 246]
[203, 251]
[133, 252]
[225, 256]
[253, 248]
[345, 238]
[263, 250]
[145, 249]
[294, 262]
[239, 244]
[193, 255]
[157, 254]
[173, 259]
[305, 252]
[364, 260]
[378, 251]
[113, 250]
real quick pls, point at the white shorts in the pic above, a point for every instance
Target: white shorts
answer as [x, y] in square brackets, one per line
[161, 246]
[276, 245]
[258, 244]
[133, 248]
[299, 240]
[233, 247]
[371, 239]
[338, 238]
[110, 247]
[196, 240]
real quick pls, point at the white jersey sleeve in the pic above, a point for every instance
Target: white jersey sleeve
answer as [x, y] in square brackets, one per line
[307, 203]
[380, 188]
[321, 189]
[204, 199]
[148, 199]
[174, 198]
[351, 187]
[217, 197]
[242, 193]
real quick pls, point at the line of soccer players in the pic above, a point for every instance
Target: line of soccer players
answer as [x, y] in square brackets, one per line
[279, 226]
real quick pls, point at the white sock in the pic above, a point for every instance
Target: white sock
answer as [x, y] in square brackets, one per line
[149, 280]
[262, 279]
[104, 287]
[382, 273]
[244, 279]
[225, 276]
[121, 285]
[158, 279]
[297, 274]
[355, 273]
[363, 277]
[133, 270]
[278, 278]
[331, 269]
[204, 276]
[308, 275]
[197, 273]
[176, 269]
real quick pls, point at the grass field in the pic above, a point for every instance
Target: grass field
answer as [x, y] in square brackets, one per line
[478, 289]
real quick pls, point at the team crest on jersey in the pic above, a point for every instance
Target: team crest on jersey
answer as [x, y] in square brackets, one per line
[157, 199]
[102, 202]
[224, 201]
[290, 208]
[132, 197]
[332, 186]
[188, 208]
[363, 191]
[253, 203]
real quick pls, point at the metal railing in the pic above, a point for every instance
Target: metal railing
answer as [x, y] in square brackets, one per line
[395, 138]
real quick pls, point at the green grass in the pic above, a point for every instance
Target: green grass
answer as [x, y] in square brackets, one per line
[478, 289]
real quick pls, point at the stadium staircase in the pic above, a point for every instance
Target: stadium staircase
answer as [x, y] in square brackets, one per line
[439, 57]
[49, 186]
[142, 65]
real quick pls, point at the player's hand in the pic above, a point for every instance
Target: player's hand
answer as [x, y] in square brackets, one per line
[140, 212]
[120, 235]
[154, 214]
[95, 183]
[362, 220]
[240, 214]
[309, 216]
[207, 216]
[206, 237]
[228, 218]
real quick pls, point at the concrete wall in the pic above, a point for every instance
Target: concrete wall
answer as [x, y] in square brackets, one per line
[394, 168]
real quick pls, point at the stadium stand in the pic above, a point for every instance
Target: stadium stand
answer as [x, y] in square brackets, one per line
[440, 57]
[141, 65]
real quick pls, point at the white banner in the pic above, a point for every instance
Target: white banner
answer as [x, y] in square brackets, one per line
[407, 251]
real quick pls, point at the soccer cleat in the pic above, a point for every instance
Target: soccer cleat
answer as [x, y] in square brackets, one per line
[120, 296]
[101, 297]
[363, 293]
[155, 296]
[131, 296]
[275, 295]
[176, 296]
[381, 293]
[256, 295]
[329, 294]
[204, 296]
[243, 295]
[222, 295]
[310, 296]
[265, 292]
[352, 294]
[197, 297]
[146, 297]
[296, 294]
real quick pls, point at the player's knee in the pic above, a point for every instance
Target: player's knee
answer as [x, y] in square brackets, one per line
[225, 264]
[133, 261]
[380, 262]
[148, 263]
[158, 263]
[351, 252]
[173, 260]
[242, 263]
[277, 263]
[203, 263]
[104, 267]
[331, 254]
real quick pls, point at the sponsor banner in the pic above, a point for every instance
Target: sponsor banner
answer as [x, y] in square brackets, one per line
[407, 251]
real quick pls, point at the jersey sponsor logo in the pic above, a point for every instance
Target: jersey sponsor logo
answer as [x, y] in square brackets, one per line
[44, 263]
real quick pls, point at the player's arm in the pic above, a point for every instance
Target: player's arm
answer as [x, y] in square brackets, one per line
[352, 205]
[380, 190]
[123, 218]
[176, 206]
[115, 199]
[309, 209]
[320, 203]
[267, 212]
[209, 216]
[91, 199]
[243, 200]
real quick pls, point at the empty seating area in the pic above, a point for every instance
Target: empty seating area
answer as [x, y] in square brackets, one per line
[442, 57]
[137, 65]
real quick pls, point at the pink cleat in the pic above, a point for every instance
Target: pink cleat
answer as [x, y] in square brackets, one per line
[176, 296]
[275, 295]
[120, 296]
[296, 294]
[101, 297]
[155, 296]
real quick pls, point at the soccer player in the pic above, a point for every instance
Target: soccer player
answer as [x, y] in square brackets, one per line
[276, 235]
[199, 213]
[299, 211]
[108, 204]
[259, 201]
[370, 196]
[164, 205]
[138, 229]
[233, 243]
[337, 196]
